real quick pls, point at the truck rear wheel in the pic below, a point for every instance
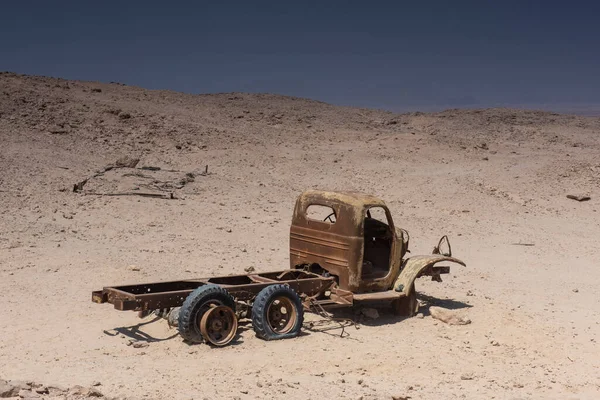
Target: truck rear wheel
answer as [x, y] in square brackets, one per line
[277, 313]
[196, 305]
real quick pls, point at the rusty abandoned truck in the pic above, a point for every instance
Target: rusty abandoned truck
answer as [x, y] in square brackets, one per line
[344, 257]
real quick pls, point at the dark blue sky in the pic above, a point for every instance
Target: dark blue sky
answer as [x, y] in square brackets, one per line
[389, 54]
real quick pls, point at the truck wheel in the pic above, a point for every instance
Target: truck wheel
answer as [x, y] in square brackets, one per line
[277, 313]
[406, 306]
[195, 305]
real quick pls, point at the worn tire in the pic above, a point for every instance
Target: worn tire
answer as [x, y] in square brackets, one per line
[406, 306]
[260, 310]
[194, 307]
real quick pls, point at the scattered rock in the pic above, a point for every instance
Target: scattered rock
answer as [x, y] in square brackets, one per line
[133, 268]
[96, 90]
[173, 317]
[78, 187]
[450, 317]
[494, 343]
[127, 162]
[84, 392]
[8, 389]
[370, 313]
[467, 377]
[27, 394]
[578, 197]
[575, 290]
[124, 116]
[249, 269]
[42, 390]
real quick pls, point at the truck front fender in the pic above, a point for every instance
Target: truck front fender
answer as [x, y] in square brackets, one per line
[413, 266]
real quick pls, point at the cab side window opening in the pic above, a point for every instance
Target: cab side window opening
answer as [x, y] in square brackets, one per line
[317, 212]
[378, 240]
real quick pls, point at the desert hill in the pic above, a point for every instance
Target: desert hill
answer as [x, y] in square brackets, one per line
[221, 173]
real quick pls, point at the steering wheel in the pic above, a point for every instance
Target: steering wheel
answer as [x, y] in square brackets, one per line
[329, 218]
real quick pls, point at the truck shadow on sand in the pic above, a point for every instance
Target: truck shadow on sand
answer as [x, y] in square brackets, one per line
[387, 316]
[428, 301]
[338, 322]
[135, 333]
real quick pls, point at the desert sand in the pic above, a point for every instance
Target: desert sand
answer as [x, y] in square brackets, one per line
[492, 179]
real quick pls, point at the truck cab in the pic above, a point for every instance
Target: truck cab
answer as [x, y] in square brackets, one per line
[348, 235]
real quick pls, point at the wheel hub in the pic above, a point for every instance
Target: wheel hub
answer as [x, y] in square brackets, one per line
[281, 315]
[219, 325]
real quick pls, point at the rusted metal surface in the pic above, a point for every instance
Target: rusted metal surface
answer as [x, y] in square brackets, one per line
[416, 265]
[219, 325]
[340, 247]
[388, 295]
[154, 296]
[282, 315]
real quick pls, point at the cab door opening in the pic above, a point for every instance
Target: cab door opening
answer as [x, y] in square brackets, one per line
[378, 239]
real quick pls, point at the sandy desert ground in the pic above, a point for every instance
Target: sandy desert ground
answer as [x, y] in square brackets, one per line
[491, 179]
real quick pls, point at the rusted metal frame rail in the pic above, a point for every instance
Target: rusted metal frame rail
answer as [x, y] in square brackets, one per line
[152, 296]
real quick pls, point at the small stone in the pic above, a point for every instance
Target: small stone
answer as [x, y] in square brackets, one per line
[467, 377]
[419, 315]
[575, 290]
[127, 162]
[83, 391]
[578, 197]
[494, 343]
[27, 394]
[8, 390]
[370, 313]
[360, 381]
[133, 268]
[42, 390]
[249, 269]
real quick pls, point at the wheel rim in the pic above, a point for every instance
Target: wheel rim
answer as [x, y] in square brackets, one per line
[219, 325]
[282, 315]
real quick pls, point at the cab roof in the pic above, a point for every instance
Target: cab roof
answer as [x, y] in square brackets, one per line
[355, 199]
